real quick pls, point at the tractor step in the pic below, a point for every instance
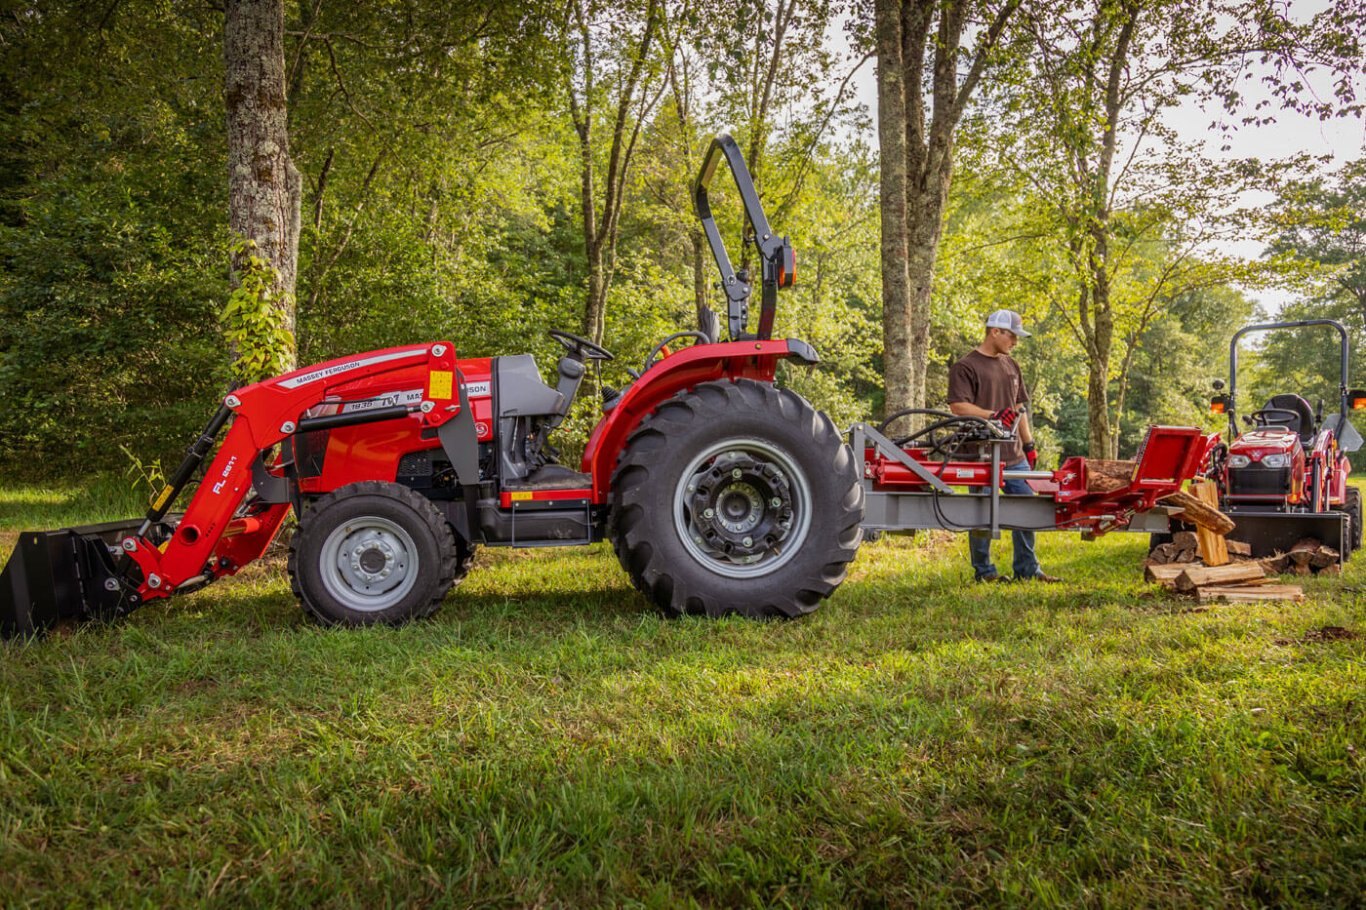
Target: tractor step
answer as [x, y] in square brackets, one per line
[68, 573]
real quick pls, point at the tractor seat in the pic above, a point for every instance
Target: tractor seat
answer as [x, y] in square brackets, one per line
[1303, 425]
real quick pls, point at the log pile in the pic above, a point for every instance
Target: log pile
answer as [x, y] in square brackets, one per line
[1239, 582]
[1307, 557]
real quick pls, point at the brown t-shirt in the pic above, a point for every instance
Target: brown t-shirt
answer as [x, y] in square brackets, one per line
[992, 383]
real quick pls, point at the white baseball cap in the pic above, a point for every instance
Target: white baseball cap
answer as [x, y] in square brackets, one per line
[1008, 320]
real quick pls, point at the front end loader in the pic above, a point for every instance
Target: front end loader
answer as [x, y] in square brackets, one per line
[720, 492]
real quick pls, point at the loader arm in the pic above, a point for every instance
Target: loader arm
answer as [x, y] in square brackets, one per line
[109, 571]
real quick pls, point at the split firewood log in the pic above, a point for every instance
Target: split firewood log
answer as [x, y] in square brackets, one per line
[1202, 576]
[1304, 550]
[1106, 476]
[1197, 513]
[1276, 563]
[1248, 594]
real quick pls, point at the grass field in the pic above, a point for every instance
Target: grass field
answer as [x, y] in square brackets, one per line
[547, 740]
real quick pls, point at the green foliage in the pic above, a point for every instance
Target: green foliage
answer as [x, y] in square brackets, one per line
[256, 319]
[442, 199]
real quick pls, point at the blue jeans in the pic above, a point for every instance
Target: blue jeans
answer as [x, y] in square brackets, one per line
[1025, 565]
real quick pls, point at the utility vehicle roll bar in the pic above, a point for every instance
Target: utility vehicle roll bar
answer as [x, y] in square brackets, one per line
[1265, 326]
[777, 260]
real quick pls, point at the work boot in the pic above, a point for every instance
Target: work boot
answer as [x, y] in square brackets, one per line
[1042, 578]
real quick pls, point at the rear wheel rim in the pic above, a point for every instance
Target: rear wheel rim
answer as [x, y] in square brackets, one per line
[368, 564]
[742, 508]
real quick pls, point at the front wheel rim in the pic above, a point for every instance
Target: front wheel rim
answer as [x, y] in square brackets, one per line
[742, 508]
[369, 564]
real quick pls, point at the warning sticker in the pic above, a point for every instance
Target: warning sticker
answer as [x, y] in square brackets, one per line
[440, 384]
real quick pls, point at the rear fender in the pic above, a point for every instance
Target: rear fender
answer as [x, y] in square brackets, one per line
[757, 360]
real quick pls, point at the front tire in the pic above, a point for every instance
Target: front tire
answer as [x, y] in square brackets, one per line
[736, 497]
[1353, 509]
[373, 553]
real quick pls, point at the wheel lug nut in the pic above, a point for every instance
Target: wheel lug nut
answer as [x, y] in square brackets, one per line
[708, 513]
[737, 473]
[775, 502]
[748, 541]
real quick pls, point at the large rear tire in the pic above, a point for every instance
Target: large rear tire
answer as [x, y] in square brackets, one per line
[374, 553]
[736, 497]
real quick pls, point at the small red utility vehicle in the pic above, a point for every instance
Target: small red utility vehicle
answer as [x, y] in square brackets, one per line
[1284, 478]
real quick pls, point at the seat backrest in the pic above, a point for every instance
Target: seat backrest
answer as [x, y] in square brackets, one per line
[1304, 425]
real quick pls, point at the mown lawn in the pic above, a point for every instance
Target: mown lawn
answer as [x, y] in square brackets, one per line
[547, 740]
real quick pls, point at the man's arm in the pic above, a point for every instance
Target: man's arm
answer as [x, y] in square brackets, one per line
[968, 409]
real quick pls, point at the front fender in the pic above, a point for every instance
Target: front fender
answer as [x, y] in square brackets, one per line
[757, 360]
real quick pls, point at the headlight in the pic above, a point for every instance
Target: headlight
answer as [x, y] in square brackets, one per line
[1238, 461]
[1276, 461]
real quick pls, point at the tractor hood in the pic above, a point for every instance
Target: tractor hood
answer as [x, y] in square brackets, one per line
[1265, 441]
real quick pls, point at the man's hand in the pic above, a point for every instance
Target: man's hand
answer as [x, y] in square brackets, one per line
[1031, 455]
[1007, 417]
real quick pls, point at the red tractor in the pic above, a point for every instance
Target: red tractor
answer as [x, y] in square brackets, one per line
[1285, 478]
[720, 492]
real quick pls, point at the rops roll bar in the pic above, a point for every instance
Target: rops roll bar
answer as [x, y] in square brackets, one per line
[1261, 327]
[777, 260]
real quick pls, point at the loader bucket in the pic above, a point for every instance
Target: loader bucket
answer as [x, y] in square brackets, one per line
[68, 573]
[1269, 532]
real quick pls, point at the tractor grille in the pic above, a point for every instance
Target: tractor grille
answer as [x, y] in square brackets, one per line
[1259, 483]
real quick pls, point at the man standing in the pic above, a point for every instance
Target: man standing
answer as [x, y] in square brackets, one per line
[988, 383]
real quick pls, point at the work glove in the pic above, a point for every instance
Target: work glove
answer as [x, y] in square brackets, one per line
[1007, 417]
[1031, 455]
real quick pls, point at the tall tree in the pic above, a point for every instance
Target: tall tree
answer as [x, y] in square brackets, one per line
[1088, 115]
[613, 77]
[922, 96]
[263, 183]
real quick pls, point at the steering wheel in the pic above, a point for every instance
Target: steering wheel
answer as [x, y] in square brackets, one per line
[702, 338]
[581, 347]
[1263, 417]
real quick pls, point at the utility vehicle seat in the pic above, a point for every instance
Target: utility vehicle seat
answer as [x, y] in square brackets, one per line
[1303, 425]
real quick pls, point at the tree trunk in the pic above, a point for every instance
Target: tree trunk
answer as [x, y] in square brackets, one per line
[699, 270]
[263, 184]
[595, 309]
[925, 217]
[897, 368]
[1098, 368]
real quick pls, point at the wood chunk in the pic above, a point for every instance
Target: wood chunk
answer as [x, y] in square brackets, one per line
[1275, 564]
[1323, 557]
[1197, 513]
[1334, 569]
[1304, 550]
[1238, 547]
[1249, 594]
[1193, 577]
[1184, 540]
[1213, 549]
[1106, 476]
[1163, 575]
[1301, 568]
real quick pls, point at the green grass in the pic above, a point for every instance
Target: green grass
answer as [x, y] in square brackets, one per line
[547, 740]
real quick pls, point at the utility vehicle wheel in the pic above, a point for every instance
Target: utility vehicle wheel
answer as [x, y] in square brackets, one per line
[373, 553]
[736, 497]
[1353, 509]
